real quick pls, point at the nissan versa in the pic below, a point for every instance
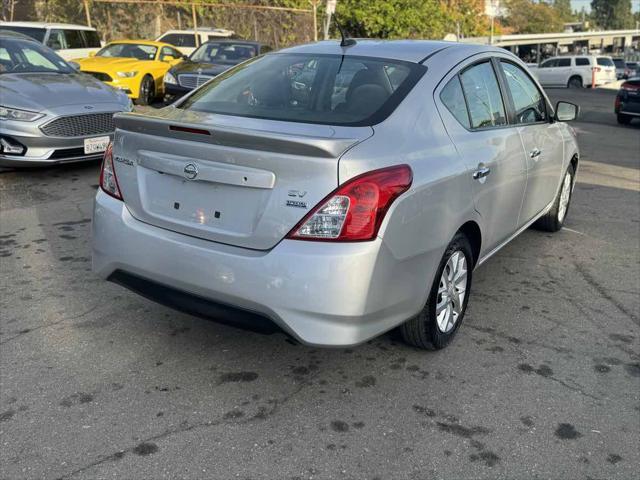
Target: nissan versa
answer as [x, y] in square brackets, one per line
[337, 192]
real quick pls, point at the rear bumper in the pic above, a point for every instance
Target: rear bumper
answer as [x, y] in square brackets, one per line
[321, 293]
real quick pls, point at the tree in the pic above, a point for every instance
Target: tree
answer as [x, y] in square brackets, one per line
[612, 14]
[525, 16]
[563, 8]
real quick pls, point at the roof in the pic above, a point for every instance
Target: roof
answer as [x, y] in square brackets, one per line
[233, 41]
[408, 50]
[46, 25]
[220, 31]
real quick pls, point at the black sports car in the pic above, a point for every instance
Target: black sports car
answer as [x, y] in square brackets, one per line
[209, 60]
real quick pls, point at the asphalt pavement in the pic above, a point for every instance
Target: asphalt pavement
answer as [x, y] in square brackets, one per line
[542, 381]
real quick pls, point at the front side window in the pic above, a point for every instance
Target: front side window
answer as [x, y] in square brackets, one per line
[20, 56]
[74, 39]
[483, 96]
[528, 102]
[129, 50]
[167, 54]
[453, 98]
[56, 40]
[549, 63]
[325, 89]
[582, 62]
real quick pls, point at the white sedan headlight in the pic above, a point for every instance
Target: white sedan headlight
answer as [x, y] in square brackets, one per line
[170, 78]
[126, 74]
[7, 113]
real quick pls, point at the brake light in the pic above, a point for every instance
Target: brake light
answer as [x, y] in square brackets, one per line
[355, 210]
[108, 179]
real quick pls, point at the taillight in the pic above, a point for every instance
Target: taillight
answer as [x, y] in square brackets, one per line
[108, 180]
[630, 86]
[355, 210]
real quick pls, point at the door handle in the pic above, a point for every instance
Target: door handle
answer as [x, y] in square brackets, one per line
[482, 172]
[535, 153]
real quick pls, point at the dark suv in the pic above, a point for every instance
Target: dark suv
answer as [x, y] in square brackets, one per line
[627, 104]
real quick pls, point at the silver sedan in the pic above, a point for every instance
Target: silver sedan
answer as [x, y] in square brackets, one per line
[49, 112]
[336, 192]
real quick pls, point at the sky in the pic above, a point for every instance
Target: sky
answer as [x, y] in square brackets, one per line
[578, 4]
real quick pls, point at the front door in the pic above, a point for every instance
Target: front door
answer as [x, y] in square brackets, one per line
[490, 148]
[540, 139]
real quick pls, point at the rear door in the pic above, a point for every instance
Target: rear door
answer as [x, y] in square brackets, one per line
[545, 71]
[541, 139]
[562, 72]
[475, 118]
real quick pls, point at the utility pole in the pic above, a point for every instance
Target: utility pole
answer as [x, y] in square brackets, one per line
[330, 10]
[86, 12]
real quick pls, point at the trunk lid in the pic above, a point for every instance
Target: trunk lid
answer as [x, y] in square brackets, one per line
[234, 180]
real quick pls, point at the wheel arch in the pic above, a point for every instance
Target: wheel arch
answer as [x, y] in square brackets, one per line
[472, 231]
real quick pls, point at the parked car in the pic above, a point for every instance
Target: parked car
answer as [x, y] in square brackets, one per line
[634, 69]
[363, 204]
[576, 71]
[188, 40]
[69, 41]
[627, 104]
[210, 59]
[50, 112]
[136, 67]
[622, 71]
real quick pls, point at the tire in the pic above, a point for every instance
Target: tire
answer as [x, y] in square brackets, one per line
[424, 330]
[553, 220]
[575, 82]
[624, 119]
[147, 91]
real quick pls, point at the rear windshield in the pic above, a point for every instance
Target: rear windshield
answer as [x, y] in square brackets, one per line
[325, 89]
[605, 62]
[230, 53]
[35, 33]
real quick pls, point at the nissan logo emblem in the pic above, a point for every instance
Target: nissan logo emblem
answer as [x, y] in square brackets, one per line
[190, 171]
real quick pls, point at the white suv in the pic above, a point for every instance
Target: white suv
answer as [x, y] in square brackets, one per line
[575, 71]
[69, 41]
[188, 40]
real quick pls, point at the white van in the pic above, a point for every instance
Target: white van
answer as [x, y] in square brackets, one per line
[575, 71]
[188, 40]
[69, 41]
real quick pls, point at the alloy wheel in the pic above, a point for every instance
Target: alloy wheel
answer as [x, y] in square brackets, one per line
[451, 292]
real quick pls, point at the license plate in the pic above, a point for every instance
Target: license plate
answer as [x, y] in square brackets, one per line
[96, 145]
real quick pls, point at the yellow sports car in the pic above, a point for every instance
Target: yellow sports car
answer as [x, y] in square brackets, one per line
[136, 67]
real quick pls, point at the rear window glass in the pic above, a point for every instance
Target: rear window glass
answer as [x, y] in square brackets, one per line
[453, 99]
[179, 39]
[564, 62]
[35, 33]
[581, 62]
[92, 39]
[74, 39]
[605, 62]
[326, 89]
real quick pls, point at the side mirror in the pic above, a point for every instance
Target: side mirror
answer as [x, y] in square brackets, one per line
[566, 111]
[185, 57]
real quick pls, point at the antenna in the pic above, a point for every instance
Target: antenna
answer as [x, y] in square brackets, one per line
[345, 41]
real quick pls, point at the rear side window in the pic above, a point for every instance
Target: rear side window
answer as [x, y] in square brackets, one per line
[74, 39]
[179, 39]
[564, 62]
[91, 38]
[527, 100]
[325, 89]
[483, 96]
[35, 33]
[605, 62]
[453, 98]
[582, 62]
